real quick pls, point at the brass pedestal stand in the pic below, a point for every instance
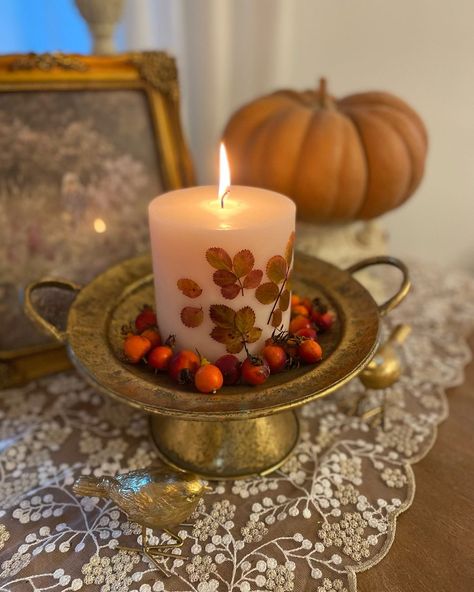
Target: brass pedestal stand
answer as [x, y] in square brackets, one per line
[241, 430]
[226, 450]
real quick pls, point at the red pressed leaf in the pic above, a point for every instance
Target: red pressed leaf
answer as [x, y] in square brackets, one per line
[276, 269]
[222, 315]
[192, 316]
[243, 263]
[284, 301]
[189, 287]
[253, 279]
[267, 293]
[230, 292]
[219, 258]
[223, 277]
[245, 319]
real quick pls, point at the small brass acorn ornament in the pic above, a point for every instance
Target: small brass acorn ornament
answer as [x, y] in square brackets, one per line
[155, 497]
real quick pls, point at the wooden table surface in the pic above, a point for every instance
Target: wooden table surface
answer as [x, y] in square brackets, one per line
[433, 549]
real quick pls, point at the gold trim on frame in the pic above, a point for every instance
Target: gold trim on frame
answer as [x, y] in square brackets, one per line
[153, 72]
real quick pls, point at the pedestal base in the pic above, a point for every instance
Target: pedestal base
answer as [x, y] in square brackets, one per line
[233, 449]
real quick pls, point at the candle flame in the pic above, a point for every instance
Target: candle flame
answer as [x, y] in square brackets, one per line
[224, 174]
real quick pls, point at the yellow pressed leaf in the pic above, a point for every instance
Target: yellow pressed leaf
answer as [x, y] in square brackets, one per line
[243, 263]
[244, 319]
[284, 301]
[276, 318]
[290, 245]
[267, 293]
[219, 258]
[276, 269]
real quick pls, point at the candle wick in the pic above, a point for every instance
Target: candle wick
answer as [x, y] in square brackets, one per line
[226, 192]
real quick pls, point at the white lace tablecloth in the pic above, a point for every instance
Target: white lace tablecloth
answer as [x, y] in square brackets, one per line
[327, 514]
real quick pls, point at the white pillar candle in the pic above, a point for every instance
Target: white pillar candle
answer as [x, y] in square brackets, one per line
[221, 273]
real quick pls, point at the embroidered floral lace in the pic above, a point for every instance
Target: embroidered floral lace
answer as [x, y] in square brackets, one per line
[327, 514]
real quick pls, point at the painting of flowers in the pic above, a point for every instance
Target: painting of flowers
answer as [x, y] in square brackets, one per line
[77, 170]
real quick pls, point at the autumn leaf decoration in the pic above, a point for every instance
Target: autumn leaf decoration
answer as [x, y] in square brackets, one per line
[191, 316]
[275, 290]
[233, 276]
[235, 329]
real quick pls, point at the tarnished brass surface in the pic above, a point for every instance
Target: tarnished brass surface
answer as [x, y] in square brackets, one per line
[385, 367]
[94, 343]
[405, 286]
[115, 297]
[226, 450]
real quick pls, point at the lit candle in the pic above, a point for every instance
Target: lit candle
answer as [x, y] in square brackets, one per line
[221, 262]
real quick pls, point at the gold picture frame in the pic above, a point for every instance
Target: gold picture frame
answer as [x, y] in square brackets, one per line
[154, 75]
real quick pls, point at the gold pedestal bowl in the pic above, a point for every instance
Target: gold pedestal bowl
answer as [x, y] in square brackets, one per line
[241, 430]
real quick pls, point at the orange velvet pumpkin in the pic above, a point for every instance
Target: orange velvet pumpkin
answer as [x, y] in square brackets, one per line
[353, 158]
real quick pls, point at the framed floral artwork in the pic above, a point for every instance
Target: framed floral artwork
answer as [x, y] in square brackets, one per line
[86, 143]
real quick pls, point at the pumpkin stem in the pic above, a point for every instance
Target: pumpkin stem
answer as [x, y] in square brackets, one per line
[324, 98]
[322, 87]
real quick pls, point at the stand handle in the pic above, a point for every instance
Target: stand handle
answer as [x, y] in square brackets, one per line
[395, 300]
[35, 316]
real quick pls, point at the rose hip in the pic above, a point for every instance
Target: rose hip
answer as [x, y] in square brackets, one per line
[208, 379]
[299, 309]
[159, 357]
[255, 370]
[276, 358]
[229, 365]
[153, 336]
[145, 320]
[299, 322]
[323, 320]
[135, 347]
[183, 366]
[310, 351]
[308, 332]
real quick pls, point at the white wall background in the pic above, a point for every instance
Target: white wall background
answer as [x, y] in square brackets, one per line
[230, 51]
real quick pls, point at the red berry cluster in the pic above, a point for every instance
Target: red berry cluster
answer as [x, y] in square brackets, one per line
[284, 350]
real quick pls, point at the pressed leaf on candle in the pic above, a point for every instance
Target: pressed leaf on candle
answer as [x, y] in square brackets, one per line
[290, 246]
[243, 263]
[192, 316]
[253, 279]
[267, 293]
[189, 288]
[277, 317]
[276, 269]
[230, 292]
[233, 328]
[223, 277]
[222, 315]
[284, 301]
[219, 258]
[235, 275]
[245, 319]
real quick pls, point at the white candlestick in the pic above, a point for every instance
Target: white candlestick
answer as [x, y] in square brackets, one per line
[221, 272]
